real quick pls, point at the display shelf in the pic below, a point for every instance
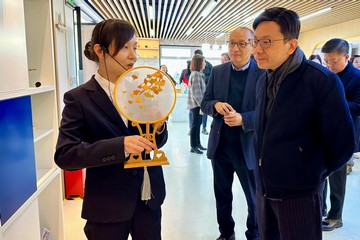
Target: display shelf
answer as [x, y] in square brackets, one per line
[44, 110]
[25, 223]
[50, 205]
[39, 42]
[41, 133]
[148, 48]
[44, 175]
[33, 78]
[25, 92]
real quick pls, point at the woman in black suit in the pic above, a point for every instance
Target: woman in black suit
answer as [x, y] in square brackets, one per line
[95, 136]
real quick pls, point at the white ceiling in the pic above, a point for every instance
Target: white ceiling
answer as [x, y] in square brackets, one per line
[173, 18]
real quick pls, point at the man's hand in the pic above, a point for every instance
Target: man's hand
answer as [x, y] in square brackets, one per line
[233, 119]
[223, 108]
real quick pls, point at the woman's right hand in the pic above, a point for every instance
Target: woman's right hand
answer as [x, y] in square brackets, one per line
[137, 144]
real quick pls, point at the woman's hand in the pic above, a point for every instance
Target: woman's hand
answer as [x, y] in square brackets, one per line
[137, 144]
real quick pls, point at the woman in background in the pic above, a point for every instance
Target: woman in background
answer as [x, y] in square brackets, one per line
[355, 60]
[196, 93]
[165, 70]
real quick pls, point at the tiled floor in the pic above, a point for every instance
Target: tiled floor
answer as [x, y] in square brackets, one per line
[189, 208]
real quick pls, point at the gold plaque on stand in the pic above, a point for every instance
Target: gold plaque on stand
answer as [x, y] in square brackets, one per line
[145, 96]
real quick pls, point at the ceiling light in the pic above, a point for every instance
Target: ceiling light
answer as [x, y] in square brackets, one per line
[220, 35]
[315, 13]
[208, 9]
[252, 17]
[151, 12]
[152, 32]
[189, 31]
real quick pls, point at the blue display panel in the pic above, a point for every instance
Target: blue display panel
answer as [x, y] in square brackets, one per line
[17, 157]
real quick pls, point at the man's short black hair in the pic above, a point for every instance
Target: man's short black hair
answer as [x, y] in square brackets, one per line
[337, 45]
[288, 21]
[198, 51]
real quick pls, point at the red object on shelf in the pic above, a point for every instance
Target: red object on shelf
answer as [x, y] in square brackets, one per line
[74, 183]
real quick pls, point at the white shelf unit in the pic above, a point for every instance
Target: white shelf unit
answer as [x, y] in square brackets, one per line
[34, 62]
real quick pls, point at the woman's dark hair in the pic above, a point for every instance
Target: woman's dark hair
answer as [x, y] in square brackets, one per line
[288, 21]
[197, 63]
[315, 56]
[163, 65]
[106, 32]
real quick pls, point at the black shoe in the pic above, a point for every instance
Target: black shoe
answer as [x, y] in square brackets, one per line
[331, 224]
[205, 132]
[196, 150]
[232, 237]
[201, 147]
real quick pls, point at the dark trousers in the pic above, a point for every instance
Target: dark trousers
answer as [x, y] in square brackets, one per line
[324, 205]
[204, 121]
[337, 186]
[290, 219]
[144, 225]
[195, 127]
[223, 170]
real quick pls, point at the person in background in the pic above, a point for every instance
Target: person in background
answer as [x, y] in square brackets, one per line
[315, 58]
[303, 130]
[230, 99]
[165, 69]
[355, 60]
[207, 72]
[195, 96]
[224, 57]
[95, 136]
[185, 74]
[184, 78]
[336, 59]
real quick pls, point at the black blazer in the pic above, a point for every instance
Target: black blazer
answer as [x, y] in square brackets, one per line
[91, 136]
[217, 90]
[308, 134]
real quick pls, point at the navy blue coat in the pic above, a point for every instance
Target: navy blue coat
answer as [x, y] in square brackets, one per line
[217, 91]
[350, 77]
[309, 132]
[91, 136]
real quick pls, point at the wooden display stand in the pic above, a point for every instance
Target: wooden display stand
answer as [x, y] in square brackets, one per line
[159, 157]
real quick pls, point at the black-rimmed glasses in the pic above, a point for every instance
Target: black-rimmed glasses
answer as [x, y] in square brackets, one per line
[241, 44]
[264, 43]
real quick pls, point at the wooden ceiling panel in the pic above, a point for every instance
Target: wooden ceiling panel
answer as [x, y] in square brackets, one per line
[173, 18]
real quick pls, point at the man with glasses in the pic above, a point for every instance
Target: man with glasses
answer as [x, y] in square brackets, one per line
[230, 99]
[303, 130]
[336, 59]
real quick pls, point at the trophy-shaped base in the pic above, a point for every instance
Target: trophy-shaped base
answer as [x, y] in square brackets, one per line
[159, 157]
[136, 161]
